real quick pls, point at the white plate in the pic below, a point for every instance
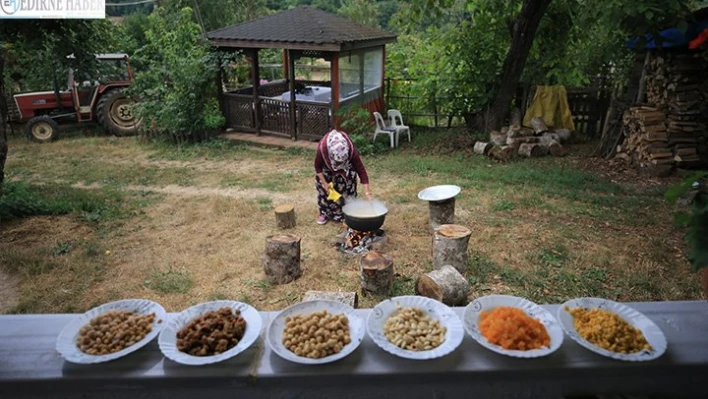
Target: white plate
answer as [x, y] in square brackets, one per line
[651, 331]
[168, 336]
[434, 309]
[275, 331]
[66, 341]
[487, 303]
[439, 193]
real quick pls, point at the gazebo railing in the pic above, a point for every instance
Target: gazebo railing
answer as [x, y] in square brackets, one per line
[275, 116]
[238, 110]
[314, 120]
[273, 89]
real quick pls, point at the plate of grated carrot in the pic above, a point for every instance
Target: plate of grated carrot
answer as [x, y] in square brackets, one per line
[512, 326]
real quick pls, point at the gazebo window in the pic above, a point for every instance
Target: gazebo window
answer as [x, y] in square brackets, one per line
[349, 76]
[373, 69]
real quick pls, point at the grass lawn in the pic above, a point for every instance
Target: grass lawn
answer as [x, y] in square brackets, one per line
[121, 219]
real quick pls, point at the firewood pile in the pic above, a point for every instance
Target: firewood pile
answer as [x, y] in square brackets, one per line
[646, 137]
[515, 140]
[672, 130]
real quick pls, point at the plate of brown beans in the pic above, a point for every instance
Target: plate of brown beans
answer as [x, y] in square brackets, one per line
[111, 331]
[210, 332]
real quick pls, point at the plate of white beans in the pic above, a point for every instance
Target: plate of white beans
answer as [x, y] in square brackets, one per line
[415, 327]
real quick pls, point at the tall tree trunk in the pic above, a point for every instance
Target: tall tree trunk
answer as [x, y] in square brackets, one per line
[3, 120]
[523, 32]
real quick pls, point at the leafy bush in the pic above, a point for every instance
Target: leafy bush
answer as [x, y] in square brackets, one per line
[176, 81]
[697, 220]
[356, 122]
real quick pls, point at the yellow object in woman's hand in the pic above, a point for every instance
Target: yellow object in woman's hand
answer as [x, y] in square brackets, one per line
[333, 194]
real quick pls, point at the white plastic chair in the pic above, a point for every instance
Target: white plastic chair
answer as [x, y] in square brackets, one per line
[381, 128]
[397, 123]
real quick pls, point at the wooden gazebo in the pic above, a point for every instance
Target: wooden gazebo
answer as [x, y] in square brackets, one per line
[304, 110]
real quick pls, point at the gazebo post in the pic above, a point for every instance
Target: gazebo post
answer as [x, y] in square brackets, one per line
[291, 83]
[334, 78]
[383, 77]
[220, 87]
[255, 77]
[285, 64]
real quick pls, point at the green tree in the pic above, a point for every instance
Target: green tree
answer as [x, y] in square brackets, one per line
[216, 14]
[562, 45]
[365, 12]
[176, 81]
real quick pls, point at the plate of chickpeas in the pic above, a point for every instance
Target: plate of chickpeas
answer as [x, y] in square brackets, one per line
[415, 327]
[316, 332]
[111, 331]
[612, 329]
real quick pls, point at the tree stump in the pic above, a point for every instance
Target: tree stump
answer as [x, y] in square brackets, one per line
[531, 150]
[703, 275]
[446, 285]
[481, 147]
[450, 246]
[563, 134]
[515, 116]
[281, 262]
[441, 212]
[285, 216]
[538, 125]
[556, 149]
[375, 274]
[502, 153]
[347, 298]
[546, 138]
[514, 131]
[497, 138]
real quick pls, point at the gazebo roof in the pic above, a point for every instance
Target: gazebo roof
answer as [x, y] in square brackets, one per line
[301, 28]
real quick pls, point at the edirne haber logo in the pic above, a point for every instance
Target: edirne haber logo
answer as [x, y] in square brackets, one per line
[53, 9]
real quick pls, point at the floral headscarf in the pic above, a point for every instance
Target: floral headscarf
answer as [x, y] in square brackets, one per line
[338, 150]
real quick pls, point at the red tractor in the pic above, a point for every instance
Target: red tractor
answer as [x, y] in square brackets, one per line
[103, 101]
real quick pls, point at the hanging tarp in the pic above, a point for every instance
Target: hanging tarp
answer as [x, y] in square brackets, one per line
[673, 37]
[551, 104]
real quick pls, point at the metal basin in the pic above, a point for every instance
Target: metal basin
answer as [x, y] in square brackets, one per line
[439, 193]
[364, 215]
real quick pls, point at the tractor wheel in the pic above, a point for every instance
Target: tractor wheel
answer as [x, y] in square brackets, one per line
[114, 111]
[42, 129]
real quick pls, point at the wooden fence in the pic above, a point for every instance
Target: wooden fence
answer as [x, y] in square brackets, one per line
[587, 105]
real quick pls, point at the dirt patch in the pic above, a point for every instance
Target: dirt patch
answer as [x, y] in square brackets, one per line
[9, 287]
[42, 231]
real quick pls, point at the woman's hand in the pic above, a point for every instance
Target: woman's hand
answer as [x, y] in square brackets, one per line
[323, 182]
[367, 192]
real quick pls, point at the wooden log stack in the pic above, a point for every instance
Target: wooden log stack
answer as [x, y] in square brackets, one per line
[675, 85]
[646, 139]
[515, 140]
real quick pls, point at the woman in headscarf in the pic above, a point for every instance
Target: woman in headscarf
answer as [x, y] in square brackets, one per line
[337, 162]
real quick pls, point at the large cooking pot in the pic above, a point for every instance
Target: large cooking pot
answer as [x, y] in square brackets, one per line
[363, 215]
